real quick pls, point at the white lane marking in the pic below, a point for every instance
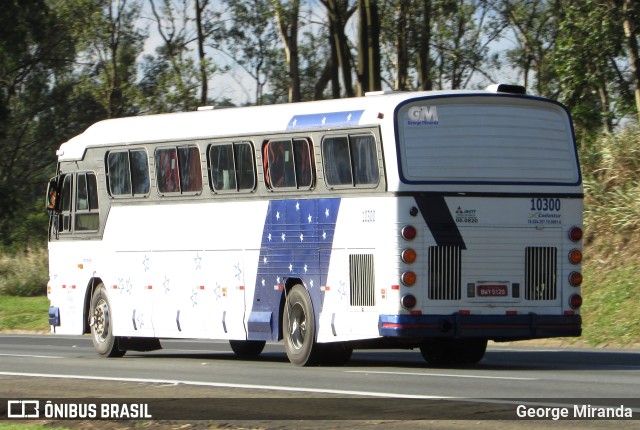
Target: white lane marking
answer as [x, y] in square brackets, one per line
[30, 356]
[444, 375]
[227, 385]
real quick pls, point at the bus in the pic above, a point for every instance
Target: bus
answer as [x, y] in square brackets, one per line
[433, 220]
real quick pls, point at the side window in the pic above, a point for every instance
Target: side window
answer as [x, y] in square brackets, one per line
[231, 167]
[86, 211]
[64, 220]
[128, 172]
[288, 163]
[178, 170]
[350, 160]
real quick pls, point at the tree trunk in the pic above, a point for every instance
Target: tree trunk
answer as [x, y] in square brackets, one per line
[287, 18]
[369, 78]
[424, 48]
[204, 85]
[402, 54]
[632, 45]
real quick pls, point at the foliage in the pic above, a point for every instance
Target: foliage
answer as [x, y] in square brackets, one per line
[24, 313]
[24, 273]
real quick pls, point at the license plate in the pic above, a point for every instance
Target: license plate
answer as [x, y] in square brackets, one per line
[493, 291]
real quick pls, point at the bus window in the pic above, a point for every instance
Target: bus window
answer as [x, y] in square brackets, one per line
[128, 173]
[231, 167]
[178, 170]
[350, 160]
[190, 169]
[167, 170]
[337, 161]
[223, 174]
[289, 163]
[65, 204]
[365, 162]
[139, 171]
[86, 215]
[245, 169]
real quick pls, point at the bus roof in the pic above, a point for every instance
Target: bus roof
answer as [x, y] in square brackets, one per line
[212, 123]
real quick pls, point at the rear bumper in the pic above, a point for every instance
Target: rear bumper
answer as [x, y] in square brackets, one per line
[494, 327]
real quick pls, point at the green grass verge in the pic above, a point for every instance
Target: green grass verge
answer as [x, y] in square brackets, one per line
[24, 313]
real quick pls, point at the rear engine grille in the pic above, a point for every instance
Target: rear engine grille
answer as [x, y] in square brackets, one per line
[444, 272]
[540, 273]
[362, 280]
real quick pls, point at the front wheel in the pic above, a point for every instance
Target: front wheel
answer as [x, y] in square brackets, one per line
[101, 322]
[299, 328]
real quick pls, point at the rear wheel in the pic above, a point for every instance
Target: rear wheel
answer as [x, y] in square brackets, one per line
[442, 352]
[336, 354]
[299, 328]
[101, 322]
[247, 348]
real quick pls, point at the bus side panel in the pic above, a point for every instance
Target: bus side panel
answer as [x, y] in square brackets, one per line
[71, 267]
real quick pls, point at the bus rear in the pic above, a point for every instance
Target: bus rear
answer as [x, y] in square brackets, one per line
[489, 223]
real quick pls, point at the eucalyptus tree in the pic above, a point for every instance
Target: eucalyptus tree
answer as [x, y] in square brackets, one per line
[252, 41]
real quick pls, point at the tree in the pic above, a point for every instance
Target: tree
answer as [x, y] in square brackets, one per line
[338, 13]
[109, 42]
[286, 14]
[252, 41]
[630, 18]
[369, 78]
[35, 66]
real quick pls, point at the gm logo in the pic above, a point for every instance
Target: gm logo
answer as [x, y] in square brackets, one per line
[423, 115]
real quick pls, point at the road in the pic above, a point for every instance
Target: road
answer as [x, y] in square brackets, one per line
[378, 385]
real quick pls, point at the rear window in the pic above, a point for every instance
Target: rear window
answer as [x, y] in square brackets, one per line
[486, 139]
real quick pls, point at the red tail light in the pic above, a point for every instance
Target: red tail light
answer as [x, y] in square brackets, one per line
[575, 234]
[409, 232]
[575, 279]
[409, 255]
[408, 278]
[575, 256]
[408, 301]
[575, 301]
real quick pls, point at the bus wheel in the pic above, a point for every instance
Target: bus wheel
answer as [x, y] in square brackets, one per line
[470, 351]
[336, 354]
[247, 348]
[299, 328]
[102, 325]
[437, 351]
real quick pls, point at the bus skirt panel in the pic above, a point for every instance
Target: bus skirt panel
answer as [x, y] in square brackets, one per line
[495, 327]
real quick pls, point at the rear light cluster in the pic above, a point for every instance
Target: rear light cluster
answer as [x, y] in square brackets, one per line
[408, 277]
[575, 258]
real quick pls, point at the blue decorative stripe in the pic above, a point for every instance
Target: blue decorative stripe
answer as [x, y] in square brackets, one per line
[328, 119]
[296, 242]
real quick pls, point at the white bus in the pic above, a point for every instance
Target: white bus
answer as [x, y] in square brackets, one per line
[432, 220]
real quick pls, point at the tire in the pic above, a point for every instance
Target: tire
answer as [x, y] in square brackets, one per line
[104, 342]
[437, 352]
[470, 351]
[299, 328]
[443, 352]
[335, 354]
[247, 348]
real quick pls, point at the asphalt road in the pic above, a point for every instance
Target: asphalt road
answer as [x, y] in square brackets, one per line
[375, 385]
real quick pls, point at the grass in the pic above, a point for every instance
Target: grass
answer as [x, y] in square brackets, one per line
[24, 313]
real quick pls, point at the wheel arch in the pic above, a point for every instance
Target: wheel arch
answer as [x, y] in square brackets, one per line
[289, 283]
[91, 287]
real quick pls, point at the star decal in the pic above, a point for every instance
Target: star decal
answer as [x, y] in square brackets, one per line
[198, 261]
[326, 213]
[145, 263]
[284, 237]
[310, 218]
[301, 237]
[165, 284]
[278, 215]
